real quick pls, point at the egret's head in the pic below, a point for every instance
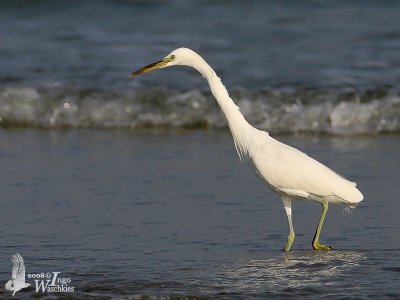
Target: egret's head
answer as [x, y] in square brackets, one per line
[180, 56]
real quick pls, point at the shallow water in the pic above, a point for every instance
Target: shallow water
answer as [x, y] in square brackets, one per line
[175, 214]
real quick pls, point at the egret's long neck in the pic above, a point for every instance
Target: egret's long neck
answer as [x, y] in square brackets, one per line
[237, 123]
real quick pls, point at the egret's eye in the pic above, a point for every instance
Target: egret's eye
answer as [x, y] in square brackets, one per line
[172, 57]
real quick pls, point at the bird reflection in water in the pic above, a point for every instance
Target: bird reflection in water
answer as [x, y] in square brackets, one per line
[293, 271]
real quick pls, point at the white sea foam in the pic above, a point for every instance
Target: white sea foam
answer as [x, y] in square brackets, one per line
[274, 111]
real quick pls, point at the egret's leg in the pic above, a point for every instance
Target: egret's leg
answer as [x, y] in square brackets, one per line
[287, 204]
[316, 245]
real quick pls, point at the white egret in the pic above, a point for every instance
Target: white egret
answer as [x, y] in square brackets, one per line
[286, 170]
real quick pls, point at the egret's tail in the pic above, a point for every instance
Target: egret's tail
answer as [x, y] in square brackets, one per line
[352, 196]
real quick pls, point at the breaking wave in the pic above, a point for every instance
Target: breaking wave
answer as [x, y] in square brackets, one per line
[277, 111]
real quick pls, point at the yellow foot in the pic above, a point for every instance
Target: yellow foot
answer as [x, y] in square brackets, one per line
[287, 247]
[318, 246]
[289, 242]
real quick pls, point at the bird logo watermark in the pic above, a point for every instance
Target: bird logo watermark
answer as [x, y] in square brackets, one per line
[44, 282]
[17, 281]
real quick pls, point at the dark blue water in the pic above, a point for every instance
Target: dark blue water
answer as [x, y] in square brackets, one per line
[335, 64]
[132, 189]
[167, 213]
[256, 45]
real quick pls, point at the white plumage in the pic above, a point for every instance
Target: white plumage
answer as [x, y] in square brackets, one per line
[286, 170]
[292, 172]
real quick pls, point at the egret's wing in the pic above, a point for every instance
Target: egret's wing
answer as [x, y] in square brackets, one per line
[291, 171]
[18, 270]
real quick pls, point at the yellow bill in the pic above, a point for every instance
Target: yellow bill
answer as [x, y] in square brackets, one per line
[157, 65]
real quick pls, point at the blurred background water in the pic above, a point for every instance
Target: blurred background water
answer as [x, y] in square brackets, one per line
[132, 187]
[335, 64]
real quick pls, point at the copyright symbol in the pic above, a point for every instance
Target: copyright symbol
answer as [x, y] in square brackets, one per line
[48, 275]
